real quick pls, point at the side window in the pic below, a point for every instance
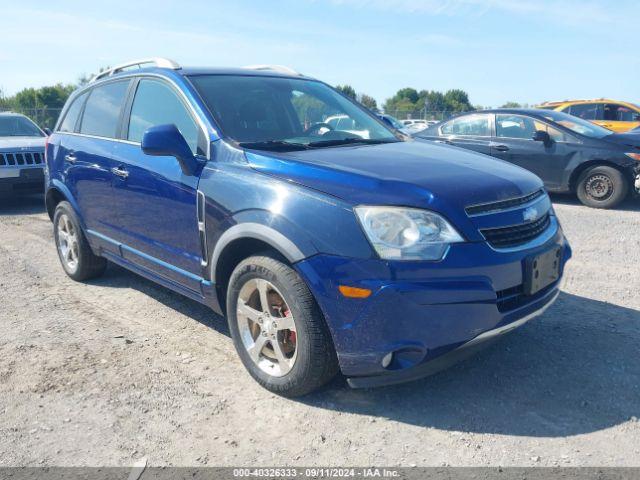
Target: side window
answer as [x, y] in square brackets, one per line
[472, 125]
[515, 126]
[586, 111]
[555, 134]
[618, 113]
[73, 112]
[102, 111]
[156, 103]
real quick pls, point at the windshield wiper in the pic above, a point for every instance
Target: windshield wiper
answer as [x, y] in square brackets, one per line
[350, 141]
[274, 145]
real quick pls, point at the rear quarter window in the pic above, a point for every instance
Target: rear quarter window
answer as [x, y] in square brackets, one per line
[103, 108]
[70, 119]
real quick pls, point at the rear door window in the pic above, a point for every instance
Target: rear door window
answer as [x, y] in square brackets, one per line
[472, 125]
[102, 112]
[70, 120]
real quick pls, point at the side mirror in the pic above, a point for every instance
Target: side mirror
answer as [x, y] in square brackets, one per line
[47, 131]
[542, 136]
[166, 140]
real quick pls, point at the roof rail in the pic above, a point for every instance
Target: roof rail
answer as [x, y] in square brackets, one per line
[156, 61]
[274, 68]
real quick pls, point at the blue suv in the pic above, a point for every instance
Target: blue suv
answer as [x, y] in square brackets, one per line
[355, 250]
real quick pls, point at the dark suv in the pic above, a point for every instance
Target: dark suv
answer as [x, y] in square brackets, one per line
[360, 251]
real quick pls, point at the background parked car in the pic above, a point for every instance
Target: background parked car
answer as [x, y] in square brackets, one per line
[612, 114]
[415, 125]
[393, 122]
[21, 155]
[569, 154]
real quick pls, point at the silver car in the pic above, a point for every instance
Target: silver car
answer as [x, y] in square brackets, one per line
[21, 155]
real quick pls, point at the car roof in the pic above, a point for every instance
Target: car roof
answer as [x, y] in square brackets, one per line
[193, 71]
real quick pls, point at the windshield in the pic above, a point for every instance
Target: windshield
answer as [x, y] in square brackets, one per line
[577, 125]
[18, 126]
[286, 113]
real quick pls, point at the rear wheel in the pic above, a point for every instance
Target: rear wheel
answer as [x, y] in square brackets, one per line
[75, 254]
[602, 187]
[278, 329]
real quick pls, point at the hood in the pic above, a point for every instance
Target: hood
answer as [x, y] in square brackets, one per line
[415, 173]
[629, 139]
[24, 143]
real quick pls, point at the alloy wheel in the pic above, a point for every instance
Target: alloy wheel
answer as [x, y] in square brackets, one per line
[267, 327]
[68, 243]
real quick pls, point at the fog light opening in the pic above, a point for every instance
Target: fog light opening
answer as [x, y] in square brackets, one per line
[386, 360]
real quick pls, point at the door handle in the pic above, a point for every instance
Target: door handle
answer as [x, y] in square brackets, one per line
[120, 172]
[500, 148]
[71, 158]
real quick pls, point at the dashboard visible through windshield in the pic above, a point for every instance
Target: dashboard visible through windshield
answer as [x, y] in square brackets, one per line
[273, 113]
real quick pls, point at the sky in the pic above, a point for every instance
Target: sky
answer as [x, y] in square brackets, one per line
[527, 51]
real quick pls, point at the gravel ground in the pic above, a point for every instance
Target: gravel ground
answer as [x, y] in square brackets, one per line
[109, 372]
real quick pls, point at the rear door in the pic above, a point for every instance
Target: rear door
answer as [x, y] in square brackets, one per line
[469, 131]
[156, 201]
[86, 150]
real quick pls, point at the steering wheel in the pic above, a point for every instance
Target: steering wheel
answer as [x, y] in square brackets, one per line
[316, 127]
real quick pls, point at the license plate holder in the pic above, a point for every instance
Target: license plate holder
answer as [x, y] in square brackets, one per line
[542, 270]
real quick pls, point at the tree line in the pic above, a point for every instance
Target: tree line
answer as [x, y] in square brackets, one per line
[45, 103]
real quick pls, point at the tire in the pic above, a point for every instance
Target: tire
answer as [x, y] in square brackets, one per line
[602, 187]
[74, 252]
[308, 356]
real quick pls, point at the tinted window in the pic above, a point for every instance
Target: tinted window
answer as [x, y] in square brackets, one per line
[515, 126]
[477, 125]
[587, 111]
[103, 108]
[156, 103]
[71, 117]
[619, 113]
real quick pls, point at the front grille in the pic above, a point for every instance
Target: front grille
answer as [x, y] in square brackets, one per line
[502, 204]
[20, 159]
[516, 235]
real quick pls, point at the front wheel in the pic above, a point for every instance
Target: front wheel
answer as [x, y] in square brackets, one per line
[602, 187]
[278, 329]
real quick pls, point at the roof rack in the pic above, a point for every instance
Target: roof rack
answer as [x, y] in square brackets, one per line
[156, 61]
[274, 68]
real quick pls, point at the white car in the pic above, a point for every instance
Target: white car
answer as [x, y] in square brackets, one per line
[345, 123]
[21, 155]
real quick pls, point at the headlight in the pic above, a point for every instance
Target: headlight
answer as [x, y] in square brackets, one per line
[399, 233]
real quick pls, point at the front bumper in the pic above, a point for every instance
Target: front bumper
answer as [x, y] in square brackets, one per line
[21, 180]
[429, 314]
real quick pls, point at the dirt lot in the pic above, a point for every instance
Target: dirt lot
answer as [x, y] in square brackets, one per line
[120, 369]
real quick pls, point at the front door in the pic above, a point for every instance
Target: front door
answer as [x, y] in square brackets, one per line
[156, 201]
[619, 118]
[514, 143]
